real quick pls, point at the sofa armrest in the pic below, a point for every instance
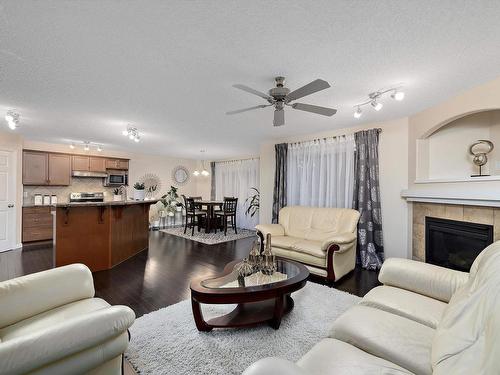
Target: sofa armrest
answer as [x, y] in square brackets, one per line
[423, 278]
[26, 353]
[29, 295]
[339, 239]
[273, 366]
[274, 229]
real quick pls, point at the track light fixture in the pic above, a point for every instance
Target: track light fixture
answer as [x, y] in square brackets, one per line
[374, 99]
[132, 134]
[12, 118]
[86, 145]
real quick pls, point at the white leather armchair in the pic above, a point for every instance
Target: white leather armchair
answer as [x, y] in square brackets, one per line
[323, 239]
[424, 320]
[50, 323]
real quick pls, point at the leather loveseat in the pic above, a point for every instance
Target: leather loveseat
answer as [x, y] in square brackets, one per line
[50, 323]
[424, 320]
[323, 239]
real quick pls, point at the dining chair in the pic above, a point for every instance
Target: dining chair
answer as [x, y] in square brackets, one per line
[193, 215]
[229, 208]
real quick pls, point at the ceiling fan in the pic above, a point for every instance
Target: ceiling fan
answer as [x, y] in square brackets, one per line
[280, 96]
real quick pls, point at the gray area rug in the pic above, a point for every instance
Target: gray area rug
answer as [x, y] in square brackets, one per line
[167, 342]
[210, 238]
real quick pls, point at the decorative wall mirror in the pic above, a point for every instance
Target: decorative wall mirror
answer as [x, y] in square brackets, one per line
[180, 175]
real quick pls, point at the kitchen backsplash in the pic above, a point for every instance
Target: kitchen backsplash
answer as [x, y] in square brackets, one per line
[78, 184]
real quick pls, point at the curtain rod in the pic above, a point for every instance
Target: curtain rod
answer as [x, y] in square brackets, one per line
[235, 160]
[331, 137]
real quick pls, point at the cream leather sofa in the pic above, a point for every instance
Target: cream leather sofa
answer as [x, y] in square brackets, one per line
[424, 320]
[323, 239]
[50, 323]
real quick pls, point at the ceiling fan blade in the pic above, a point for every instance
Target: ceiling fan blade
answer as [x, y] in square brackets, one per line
[247, 109]
[279, 117]
[314, 109]
[310, 88]
[252, 91]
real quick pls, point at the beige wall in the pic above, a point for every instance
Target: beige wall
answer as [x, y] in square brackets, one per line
[393, 178]
[481, 98]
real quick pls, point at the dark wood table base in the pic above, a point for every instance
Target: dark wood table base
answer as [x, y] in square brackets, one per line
[247, 314]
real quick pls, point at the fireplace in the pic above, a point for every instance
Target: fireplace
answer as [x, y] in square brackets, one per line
[455, 244]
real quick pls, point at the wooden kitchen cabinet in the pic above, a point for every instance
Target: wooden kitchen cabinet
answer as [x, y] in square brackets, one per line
[37, 224]
[35, 168]
[42, 168]
[59, 169]
[116, 164]
[97, 164]
[80, 163]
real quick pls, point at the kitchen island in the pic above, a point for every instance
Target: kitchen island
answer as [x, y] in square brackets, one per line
[100, 234]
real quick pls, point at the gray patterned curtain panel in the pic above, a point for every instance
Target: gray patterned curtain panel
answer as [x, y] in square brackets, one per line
[279, 196]
[212, 180]
[370, 252]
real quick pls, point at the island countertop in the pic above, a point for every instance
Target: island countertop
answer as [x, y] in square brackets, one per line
[105, 203]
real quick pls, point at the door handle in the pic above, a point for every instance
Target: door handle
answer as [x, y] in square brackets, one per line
[10, 205]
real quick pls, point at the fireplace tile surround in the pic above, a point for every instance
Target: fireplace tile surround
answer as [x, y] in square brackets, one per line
[473, 214]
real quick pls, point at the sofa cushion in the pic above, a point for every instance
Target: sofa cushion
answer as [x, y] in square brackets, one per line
[52, 317]
[300, 257]
[407, 304]
[313, 248]
[317, 223]
[284, 242]
[334, 357]
[467, 338]
[385, 335]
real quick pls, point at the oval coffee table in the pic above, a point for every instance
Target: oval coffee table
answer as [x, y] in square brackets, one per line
[259, 298]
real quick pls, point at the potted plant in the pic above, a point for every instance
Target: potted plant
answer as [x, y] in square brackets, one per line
[170, 202]
[139, 192]
[117, 194]
[253, 202]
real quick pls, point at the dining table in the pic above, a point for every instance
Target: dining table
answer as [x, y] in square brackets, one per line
[211, 205]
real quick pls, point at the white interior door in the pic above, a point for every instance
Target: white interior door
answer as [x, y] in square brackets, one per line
[7, 200]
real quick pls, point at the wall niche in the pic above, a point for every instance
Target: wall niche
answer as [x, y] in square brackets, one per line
[443, 154]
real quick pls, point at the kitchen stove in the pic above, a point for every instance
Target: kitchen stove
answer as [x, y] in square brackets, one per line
[86, 197]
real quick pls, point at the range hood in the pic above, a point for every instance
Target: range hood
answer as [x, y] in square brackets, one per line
[89, 174]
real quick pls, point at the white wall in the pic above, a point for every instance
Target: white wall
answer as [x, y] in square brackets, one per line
[393, 154]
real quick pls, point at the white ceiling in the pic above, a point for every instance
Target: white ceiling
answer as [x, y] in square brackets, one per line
[83, 70]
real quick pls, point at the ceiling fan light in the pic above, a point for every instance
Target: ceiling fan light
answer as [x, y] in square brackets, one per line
[377, 106]
[12, 125]
[9, 117]
[358, 113]
[196, 172]
[204, 172]
[125, 133]
[87, 147]
[137, 139]
[398, 95]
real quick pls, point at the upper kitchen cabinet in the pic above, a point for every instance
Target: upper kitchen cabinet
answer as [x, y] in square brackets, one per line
[42, 168]
[80, 163]
[59, 169]
[97, 164]
[35, 168]
[116, 164]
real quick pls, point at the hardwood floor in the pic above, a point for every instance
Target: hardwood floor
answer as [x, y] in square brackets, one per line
[160, 276]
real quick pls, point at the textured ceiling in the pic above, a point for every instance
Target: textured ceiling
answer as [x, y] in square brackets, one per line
[82, 70]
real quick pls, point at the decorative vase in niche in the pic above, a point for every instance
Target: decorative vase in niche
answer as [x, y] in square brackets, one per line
[268, 262]
[139, 194]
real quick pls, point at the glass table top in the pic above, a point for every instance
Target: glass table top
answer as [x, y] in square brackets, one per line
[284, 271]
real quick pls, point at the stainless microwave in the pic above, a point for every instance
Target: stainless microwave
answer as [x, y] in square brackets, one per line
[116, 178]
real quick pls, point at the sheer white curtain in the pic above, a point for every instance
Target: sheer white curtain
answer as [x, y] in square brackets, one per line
[236, 179]
[321, 172]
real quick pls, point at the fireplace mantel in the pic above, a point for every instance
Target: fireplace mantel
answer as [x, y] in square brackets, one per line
[460, 198]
